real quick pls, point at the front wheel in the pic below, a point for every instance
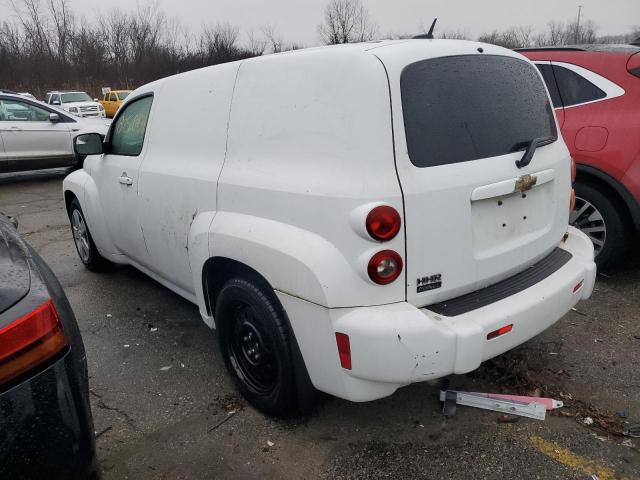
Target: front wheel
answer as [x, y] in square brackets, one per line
[255, 342]
[602, 218]
[85, 247]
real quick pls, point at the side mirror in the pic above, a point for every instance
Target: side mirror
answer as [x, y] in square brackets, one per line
[56, 102]
[88, 144]
[95, 99]
[54, 117]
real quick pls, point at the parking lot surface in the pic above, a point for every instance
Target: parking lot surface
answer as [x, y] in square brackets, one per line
[165, 408]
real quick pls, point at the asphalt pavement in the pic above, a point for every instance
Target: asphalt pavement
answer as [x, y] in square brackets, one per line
[165, 408]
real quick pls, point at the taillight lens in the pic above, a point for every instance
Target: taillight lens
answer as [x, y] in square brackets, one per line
[29, 341]
[383, 223]
[384, 267]
[573, 170]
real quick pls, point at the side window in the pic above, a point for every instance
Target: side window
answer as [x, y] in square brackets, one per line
[550, 80]
[16, 111]
[55, 98]
[47, 98]
[112, 97]
[574, 88]
[127, 136]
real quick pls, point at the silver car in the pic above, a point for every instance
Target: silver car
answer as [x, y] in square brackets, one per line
[34, 135]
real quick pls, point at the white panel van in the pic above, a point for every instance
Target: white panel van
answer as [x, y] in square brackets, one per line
[350, 219]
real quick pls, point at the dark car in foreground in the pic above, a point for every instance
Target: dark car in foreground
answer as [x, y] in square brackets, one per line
[46, 428]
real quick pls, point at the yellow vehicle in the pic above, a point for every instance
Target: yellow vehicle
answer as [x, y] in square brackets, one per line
[112, 100]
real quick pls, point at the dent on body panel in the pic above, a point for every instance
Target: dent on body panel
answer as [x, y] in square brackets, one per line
[426, 362]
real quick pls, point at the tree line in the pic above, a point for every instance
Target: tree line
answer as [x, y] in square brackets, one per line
[44, 45]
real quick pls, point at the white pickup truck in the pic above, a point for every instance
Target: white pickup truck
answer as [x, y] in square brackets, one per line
[351, 219]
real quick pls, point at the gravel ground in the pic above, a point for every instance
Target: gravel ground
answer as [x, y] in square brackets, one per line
[188, 422]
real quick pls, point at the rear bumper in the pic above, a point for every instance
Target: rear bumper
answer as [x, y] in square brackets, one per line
[397, 344]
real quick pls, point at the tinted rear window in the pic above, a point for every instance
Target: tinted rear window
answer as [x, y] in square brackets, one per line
[468, 107]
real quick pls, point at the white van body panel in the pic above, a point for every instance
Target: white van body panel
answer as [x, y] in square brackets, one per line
[309, 143]
[275, 164]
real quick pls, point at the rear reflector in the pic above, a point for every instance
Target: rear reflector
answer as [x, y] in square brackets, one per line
[344, 350]
[500, 331]
[572, 200]
[578, 286]
[30, 341]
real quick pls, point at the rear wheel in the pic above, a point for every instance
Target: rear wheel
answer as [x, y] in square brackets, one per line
[85, 247]
[255, 342]
[602, 218]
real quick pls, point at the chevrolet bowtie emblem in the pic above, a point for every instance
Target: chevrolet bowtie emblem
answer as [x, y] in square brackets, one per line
[524, 183]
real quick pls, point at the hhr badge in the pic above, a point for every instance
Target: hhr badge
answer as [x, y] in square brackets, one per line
[524, 183]
[429, 283]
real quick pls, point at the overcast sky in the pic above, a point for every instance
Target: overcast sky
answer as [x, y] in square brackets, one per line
[296, 20]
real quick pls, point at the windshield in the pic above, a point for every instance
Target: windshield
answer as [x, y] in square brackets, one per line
[75, 97]
[469, 107]
[123, 95]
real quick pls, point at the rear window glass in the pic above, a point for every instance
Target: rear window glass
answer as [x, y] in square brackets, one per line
[574, 88]
[469, 107]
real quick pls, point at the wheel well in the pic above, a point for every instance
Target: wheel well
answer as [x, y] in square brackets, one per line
[586, 177]
[68, 198]
[217, 271]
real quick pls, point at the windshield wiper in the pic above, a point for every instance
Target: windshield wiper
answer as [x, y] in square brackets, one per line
[531, 149]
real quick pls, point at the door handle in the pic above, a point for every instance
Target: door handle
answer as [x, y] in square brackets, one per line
[125, 180]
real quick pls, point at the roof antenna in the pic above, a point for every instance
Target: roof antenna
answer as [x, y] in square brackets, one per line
[429, 34]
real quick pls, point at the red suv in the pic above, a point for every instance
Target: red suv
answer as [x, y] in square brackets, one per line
[595, 91]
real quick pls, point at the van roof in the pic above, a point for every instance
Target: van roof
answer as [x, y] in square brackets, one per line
[401, 52]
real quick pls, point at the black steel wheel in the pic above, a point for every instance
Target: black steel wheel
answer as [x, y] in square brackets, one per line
[255, 343]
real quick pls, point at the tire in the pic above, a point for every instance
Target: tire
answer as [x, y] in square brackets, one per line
[256, 345]
[83, 241]
[602, 217]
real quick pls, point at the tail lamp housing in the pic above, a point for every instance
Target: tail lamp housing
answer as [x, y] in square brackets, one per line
[30, 341]
[383, 223]
[384, 267]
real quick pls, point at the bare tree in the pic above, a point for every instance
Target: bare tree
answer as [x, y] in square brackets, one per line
[346, 21]
[63, 27]
[454, 35]
[275, 43]
[513, 37]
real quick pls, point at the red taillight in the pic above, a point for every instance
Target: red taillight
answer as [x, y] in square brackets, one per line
[384, 267]
[500, 331]
[574, 170]
[383, 223]
[30, 341]
[344, 350]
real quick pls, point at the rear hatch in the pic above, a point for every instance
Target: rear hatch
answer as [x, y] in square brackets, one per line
[462, 120]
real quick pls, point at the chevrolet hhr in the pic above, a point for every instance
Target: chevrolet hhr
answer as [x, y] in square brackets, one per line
[351, 219]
